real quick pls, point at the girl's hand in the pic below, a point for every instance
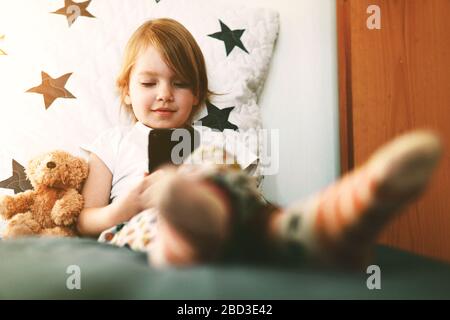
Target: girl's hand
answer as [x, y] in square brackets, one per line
[144, 194]
[156, 185]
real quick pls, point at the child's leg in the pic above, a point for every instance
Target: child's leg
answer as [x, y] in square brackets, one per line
[339, 224]
[193, 222]
[200, 211]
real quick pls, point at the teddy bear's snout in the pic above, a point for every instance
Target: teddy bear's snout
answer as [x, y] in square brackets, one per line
[51, 165]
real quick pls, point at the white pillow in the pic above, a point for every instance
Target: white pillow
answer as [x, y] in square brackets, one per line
[85, 55]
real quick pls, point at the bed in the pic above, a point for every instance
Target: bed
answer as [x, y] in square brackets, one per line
[40, 268]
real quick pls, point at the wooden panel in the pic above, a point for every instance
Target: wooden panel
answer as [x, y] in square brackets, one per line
[345, 88]
[399, 80]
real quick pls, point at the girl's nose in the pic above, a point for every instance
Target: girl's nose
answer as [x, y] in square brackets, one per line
[165, 93]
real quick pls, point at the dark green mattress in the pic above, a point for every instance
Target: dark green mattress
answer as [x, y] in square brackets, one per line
[36, 269]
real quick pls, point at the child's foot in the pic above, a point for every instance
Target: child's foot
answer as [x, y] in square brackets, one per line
[339, 224]
[193, 222]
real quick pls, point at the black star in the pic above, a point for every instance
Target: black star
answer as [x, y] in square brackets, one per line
[231, 38]
[18, 181]
[217, 118]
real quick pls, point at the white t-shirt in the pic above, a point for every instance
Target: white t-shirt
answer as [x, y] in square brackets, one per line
[124, 150]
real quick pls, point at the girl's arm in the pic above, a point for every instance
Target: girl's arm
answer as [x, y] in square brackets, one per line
[97, 215]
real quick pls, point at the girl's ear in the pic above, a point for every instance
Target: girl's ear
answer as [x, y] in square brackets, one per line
[127, 99]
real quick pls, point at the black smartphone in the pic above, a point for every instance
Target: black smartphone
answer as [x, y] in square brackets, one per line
[171, 146]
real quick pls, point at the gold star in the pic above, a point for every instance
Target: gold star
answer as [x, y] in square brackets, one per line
[52, 88]
[2, 53]
[72, 10]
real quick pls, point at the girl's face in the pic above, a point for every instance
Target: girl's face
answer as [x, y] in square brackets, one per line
[158, 98]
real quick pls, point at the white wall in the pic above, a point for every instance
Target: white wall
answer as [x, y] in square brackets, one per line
[300, 97]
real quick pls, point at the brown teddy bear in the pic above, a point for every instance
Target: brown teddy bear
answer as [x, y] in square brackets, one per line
[52, 208]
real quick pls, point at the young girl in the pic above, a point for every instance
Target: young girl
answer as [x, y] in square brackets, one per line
[198, 213]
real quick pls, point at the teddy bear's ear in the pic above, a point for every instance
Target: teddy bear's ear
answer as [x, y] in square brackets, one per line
[84, 168]
[31, 169]
[78, 169]
[82, 165]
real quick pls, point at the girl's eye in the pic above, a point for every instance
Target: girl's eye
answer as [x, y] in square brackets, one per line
[181, 85]
[148, 84]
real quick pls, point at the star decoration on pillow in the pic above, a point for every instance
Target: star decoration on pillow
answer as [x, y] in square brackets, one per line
[231, 38]
[217, 119]
[2, 53]
[52, 88]
[18, 181]
[73, 10]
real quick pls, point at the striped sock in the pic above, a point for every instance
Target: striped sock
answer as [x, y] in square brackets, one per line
[339, 224]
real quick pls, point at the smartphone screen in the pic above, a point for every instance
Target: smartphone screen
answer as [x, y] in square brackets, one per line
[171, 146]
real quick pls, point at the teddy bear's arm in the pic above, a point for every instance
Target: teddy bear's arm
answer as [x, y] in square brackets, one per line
[11, 205]
[66, 209]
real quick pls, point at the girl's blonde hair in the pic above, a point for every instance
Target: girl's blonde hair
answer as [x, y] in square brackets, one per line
[178, 49]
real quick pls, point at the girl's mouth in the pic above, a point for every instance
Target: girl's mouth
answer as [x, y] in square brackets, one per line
[163, 112]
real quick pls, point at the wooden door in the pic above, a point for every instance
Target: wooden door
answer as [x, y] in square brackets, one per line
[395, 79]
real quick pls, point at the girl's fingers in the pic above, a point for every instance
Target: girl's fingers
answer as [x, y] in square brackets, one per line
[151, 195]
[152, 178]
[155, 185]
